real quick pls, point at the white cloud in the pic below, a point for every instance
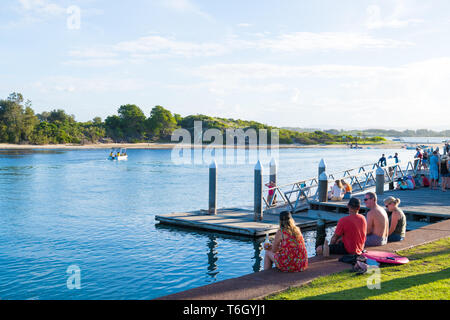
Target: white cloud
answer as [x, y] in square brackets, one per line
[155, 44]
[301, 41]
[185, 6]
[42, 7]
[244, 25]
[95, 84]
[295, 96]
[263, 71]
[413, 94]
[158, 46]
[93, 53]
[395, 20]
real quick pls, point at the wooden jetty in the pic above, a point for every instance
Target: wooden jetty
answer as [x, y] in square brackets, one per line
[233, 221]
[420, 204]
[306, 200]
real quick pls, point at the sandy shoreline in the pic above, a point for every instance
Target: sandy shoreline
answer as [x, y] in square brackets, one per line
[391, 145]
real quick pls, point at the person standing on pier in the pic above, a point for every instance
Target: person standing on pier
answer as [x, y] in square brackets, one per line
[418, 158]
[434, 170]
[382, 161]
[425, 160]
[444, 172]
[288, 250]
[350, 234]
[377, 222]
[396, 157]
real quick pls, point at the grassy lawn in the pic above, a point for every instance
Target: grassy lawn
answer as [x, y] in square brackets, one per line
[426, 276]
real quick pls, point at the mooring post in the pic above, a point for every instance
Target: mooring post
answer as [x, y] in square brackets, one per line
[213, 188]
[379, 181]
[273, 171]
[323, 187]
[391, 176]
[320, 233]
[322, 167]
[258, 200]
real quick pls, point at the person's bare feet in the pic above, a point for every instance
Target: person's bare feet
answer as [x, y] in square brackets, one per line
[326, 249]
[319, 250]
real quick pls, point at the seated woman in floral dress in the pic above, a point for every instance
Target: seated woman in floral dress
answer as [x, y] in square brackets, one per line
[288, 250]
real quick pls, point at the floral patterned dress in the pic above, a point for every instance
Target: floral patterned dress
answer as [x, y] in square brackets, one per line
[292, 255]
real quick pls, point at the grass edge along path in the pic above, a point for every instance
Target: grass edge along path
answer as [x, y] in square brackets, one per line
[425, 277]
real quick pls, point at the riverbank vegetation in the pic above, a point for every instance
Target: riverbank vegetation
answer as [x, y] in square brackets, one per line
[19, 124]
[425, 277]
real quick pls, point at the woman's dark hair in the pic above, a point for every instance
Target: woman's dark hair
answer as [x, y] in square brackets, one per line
[285, 215]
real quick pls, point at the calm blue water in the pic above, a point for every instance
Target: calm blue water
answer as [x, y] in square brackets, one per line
[413, 140]
[63, 208]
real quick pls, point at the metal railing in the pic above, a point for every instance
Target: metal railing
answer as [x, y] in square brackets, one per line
[297, 195]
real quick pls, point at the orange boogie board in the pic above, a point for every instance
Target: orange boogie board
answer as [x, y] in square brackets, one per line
[385, 257]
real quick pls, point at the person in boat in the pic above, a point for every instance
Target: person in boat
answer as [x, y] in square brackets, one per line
[397, 220]
[288, 251]
[350, 234]
[377, 222]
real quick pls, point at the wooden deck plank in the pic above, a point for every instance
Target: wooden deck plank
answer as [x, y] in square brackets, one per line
[419, 205]
[236, 222]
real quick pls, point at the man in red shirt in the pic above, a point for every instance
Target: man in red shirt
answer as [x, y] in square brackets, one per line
[350, 234]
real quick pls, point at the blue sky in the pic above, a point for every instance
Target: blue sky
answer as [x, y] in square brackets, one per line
[322, 64]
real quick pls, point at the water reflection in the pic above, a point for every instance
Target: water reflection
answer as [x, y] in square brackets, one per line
[257, 246]
[19, 153]
[212, 244]
[312, 238]
[212, 257]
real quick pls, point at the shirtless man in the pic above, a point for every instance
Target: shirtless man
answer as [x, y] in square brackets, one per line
[377, 222]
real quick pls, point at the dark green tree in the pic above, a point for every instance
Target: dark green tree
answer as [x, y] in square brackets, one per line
[161, 123]
[132, 120]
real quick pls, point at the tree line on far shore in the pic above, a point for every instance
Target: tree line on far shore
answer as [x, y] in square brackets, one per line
[20, 125]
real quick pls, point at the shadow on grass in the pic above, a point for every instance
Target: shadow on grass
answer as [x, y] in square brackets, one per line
[416, 255]
[386, 287]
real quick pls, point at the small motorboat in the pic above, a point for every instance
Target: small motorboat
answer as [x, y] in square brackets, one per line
[118, 154]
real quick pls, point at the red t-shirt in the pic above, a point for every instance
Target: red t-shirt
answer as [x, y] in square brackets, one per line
[425, 181]
[353, 229]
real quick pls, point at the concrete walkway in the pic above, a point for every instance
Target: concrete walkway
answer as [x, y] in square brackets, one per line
[260, 284]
